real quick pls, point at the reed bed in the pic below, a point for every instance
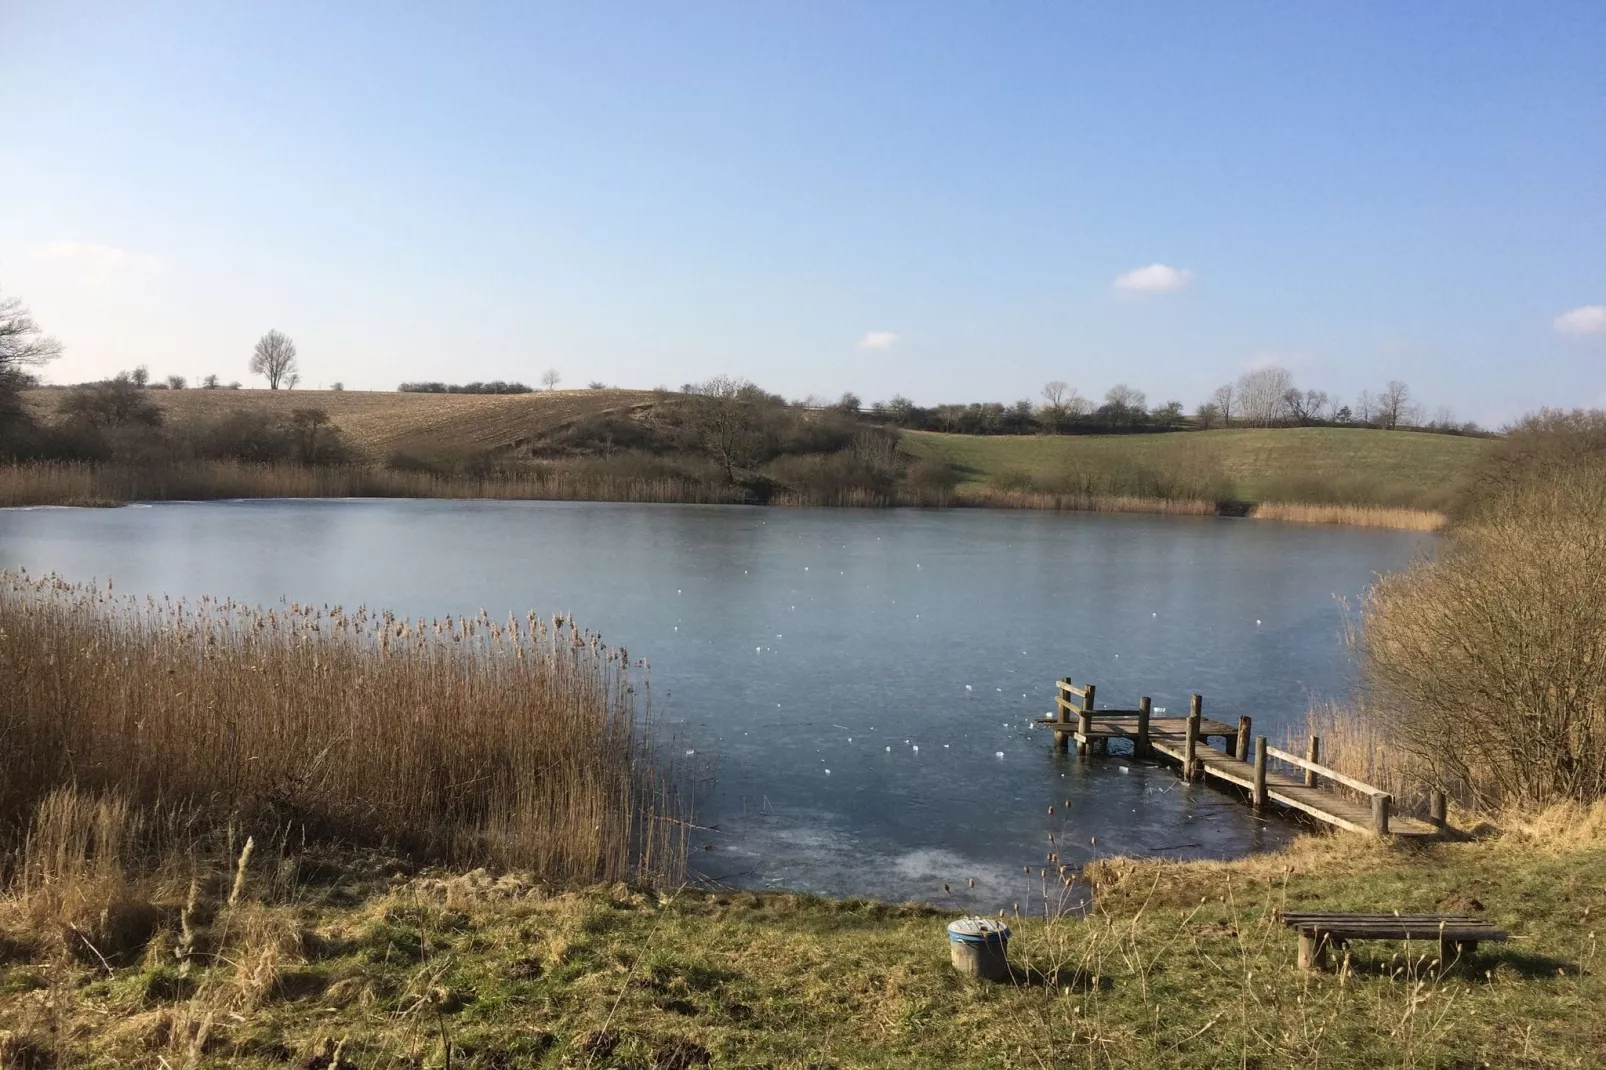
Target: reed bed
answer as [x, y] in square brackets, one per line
[515, 743]
[75, 483]
[1357, 516]
[1001, 498]
[1358, 745]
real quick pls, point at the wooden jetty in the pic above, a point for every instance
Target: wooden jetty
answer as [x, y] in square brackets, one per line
[1243, 760]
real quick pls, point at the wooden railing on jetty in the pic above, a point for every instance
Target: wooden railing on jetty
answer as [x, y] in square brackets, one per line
[1186, 741]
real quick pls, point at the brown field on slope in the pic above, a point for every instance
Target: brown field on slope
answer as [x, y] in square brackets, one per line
[379, 421]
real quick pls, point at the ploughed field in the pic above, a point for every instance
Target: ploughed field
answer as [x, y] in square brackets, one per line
[380, 421]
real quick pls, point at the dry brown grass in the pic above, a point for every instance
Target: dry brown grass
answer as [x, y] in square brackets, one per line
[994, 497]
[1357, 516]
[378, 421]
[73, 483]
[514, 742]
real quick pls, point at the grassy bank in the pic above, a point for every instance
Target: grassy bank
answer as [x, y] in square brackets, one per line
[359, 961]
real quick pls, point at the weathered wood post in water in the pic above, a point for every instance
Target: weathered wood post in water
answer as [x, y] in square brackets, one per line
[1062, 740]
[1141, 748]
[1313, 753]
[1438, 810]
[1190, 743]
[1380, 814]
[1084, 720]
[1241, 750]
[1258, 793]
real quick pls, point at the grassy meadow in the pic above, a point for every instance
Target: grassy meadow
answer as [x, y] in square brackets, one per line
[1305, 465]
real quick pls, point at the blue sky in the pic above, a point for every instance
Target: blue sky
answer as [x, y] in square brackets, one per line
[930, 199]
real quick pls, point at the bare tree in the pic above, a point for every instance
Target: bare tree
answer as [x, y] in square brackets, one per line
[1056, 412]
[723, 414]
[21, 341]
[551, 378]
[1208, 415]
[1262, 394]
[209, 383]
[1394, 405]
[1305, 406]
[140, 377]
[1365, 407]
[1225, 399]
[275, 357]
[177, 382]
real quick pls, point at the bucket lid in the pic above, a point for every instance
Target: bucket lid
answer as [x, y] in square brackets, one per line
[977, 930]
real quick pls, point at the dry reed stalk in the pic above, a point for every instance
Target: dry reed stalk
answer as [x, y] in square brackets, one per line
[994, 497]
[1358, 746]
[76, 483]
[515, 743]
[1360, 516]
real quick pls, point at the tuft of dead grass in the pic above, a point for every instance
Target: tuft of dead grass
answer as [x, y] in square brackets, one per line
[1355, 516]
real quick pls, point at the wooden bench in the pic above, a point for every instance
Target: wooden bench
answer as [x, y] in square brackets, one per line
[1455, 934]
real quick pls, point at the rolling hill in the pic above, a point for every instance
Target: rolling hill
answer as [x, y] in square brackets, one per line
[380, 421]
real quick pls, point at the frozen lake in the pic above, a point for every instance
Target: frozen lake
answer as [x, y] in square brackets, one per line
[857, 686]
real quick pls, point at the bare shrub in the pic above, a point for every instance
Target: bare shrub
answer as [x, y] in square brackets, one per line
[1488, 664]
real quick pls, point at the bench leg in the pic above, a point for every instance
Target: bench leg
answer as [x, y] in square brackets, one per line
[1313, 951]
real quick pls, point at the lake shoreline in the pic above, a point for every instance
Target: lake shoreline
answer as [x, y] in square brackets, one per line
[92, 486]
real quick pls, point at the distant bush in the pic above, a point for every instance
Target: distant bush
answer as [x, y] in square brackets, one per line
[606, 432]
[494, 387]
[1540, 447]
[241, 435]
[117, 402]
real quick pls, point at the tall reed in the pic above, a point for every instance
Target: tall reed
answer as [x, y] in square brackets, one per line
[517, 743]
[75, 483]
[1358, 516]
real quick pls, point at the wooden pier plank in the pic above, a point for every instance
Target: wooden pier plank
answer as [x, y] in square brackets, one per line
[1167, 738]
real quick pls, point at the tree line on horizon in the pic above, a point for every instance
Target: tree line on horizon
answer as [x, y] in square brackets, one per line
[1261, 397]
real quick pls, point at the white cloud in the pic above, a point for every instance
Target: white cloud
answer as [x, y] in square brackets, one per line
[1154, 279]
[93, 263]
[878, 340]
[1590, 319]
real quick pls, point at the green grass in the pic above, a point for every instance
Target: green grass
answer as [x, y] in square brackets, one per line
[1280, 464]
[1180, 965]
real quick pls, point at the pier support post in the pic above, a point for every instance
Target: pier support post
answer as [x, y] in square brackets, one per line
[1438, 810]
[1258, 794]
[1190, 747]
[1380, 815]
[1140, 749]
[1084, 720]
[1062, 740]
[1313, 753]
[1241, 750]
